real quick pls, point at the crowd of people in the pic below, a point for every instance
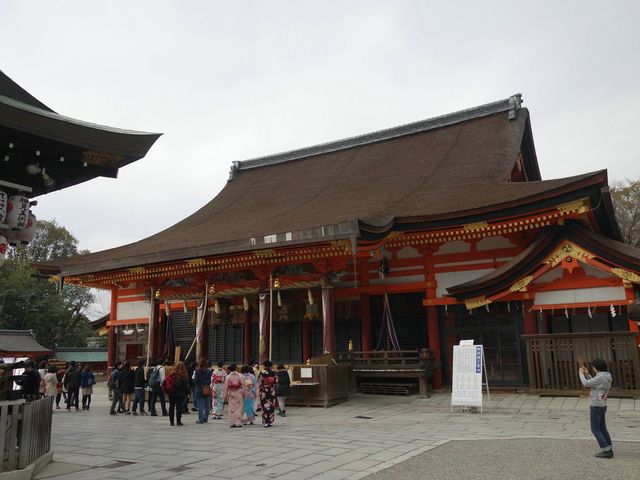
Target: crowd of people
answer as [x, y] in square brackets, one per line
[48, 380]
[244, 391]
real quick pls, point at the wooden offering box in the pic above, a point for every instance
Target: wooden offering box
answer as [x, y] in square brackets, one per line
[319, 385]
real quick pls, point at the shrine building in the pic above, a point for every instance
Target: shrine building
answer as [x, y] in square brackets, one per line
[448, 217]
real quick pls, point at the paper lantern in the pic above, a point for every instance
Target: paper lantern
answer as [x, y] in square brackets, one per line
[25, 235]
[3, 249]
[18, 211]
[4, 200]
[12, 237]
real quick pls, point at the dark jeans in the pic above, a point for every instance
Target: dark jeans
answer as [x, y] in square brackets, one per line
[139, 399]
[117, 400]
[599, 426]
[204, 408]
[73, 399]
[86, 401]
[176, 404]
[157, 393]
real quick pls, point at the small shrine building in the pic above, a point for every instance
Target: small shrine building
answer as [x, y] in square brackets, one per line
[448, 218]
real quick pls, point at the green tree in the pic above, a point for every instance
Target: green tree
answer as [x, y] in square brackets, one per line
[30, 302]
[626, 201]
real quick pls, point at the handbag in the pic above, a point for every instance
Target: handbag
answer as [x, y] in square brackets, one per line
[206, 390]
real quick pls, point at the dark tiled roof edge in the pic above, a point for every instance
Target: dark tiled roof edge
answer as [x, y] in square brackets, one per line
[511, 105]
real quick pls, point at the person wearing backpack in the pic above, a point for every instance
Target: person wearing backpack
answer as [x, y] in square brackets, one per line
[87, 381]
[155, 381]
[233, 391]
[115, 384]
[176, 386]
[217, 381]
[139, 383]
[267, 381]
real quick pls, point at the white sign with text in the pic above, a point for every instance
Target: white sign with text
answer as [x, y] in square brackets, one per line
[466, 381]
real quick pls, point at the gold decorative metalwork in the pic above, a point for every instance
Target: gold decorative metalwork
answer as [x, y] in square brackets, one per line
[137, 270]
[476, 302]
[54, 279]
[626, 275]
[577, 206]
[568, 249]
[343, 243]
[521, 285]
[100, 158]
[268, 252]
[475, 226]
[394, 235]
[195, 262]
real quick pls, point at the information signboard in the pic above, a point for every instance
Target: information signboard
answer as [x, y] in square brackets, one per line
[468, 370]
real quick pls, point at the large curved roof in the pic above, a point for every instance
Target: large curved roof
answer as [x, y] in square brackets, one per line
[446, 167]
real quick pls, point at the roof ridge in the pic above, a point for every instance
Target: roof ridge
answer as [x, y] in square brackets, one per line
[511, 104]
[12, 90]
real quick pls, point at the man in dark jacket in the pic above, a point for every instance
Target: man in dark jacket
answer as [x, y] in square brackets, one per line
[29, 381]
[72, 382]
[115, 383]
[139, 384]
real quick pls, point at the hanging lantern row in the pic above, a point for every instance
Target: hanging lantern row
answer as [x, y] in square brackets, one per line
[17, 222]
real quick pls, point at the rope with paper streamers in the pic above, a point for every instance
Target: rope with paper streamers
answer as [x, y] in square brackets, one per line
[387, 325]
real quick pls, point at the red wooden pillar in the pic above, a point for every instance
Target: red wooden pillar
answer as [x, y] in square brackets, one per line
[529, 319]
[307, 344]
[328, 321]
[433, 328]
[434, 342]
[365, 322]
[366, 333]
[113, 338]
[246, 335]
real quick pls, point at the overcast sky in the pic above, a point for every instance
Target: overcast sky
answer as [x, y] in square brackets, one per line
[228, 81]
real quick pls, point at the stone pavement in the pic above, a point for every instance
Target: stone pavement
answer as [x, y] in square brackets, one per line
[349, 441]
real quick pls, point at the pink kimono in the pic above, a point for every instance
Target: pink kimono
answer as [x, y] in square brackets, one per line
[233, 391]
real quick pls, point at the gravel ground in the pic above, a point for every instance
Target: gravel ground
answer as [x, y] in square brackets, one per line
[517, 459]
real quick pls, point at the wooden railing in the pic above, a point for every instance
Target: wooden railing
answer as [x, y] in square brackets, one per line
[401, 359]
[553, 360]
[25, 431]
[392, 365]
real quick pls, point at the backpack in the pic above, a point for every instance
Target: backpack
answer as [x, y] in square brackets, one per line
[113, 381]
[167, 385]
[154, 378]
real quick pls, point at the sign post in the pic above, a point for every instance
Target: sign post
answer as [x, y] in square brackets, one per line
[468, 369]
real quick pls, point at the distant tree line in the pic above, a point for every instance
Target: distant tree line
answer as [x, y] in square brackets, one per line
[30, 302]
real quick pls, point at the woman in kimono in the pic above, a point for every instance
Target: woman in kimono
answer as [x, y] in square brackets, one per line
[267, 381]
[234, 391]
[250, 398]
[217, 381]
